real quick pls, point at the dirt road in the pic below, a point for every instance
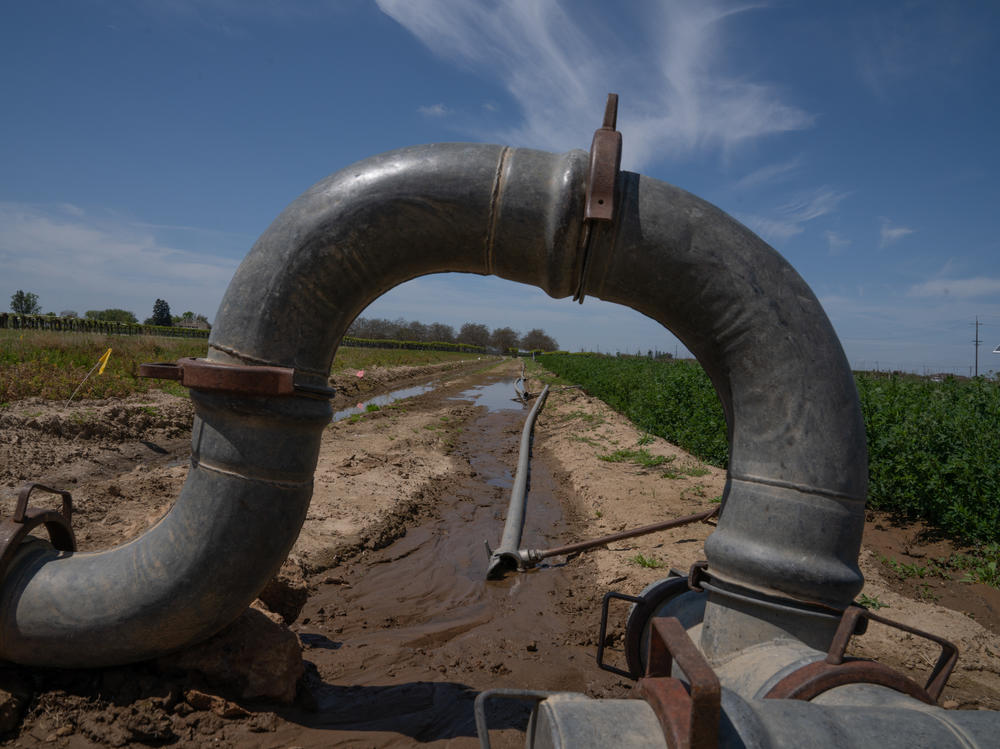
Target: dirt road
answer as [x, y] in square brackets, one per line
[399, 629]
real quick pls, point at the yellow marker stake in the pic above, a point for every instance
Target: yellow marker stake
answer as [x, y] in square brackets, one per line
[102, 363]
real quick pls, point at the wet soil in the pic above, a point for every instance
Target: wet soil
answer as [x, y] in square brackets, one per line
[403, 638]
[399, 629]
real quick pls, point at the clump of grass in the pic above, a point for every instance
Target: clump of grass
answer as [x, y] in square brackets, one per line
[648, 562]
[645, 439]
[981, 566]
[591, 419]
[692, 470]
[871, 602]
[372, 408]
[640, 457]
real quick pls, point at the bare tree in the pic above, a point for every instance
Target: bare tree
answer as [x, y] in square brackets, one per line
[504, 339]
[474, 334]
[440, 333]
[538, 339]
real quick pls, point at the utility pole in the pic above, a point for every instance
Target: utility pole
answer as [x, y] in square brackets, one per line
[976, 343]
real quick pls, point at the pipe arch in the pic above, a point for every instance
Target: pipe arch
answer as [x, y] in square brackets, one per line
[794, 506]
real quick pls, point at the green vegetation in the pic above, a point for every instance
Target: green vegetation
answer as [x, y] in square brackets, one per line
[933, 448]
[50, 364]
[871, 602]
[640, 457]
[672, 400]
[649, 562]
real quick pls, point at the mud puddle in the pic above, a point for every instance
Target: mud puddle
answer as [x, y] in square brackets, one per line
[404, 638]
[385, 399]
[496, 396]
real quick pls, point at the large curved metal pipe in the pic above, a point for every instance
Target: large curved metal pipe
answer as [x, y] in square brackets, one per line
[793, 516]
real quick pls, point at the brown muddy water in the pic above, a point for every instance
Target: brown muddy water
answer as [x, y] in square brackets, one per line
[401, 640]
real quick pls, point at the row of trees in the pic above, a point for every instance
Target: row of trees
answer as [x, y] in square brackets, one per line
[474, 334]
[27, 303]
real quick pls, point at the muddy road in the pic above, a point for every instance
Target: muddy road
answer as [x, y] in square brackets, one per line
[381, 628]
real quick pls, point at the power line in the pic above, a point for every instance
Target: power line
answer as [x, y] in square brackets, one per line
[976, 343]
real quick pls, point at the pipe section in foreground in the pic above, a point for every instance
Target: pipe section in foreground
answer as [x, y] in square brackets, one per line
[793, 513]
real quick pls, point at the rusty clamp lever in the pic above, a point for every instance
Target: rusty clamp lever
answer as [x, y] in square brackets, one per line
[605, 163]
[25, 519]
[203, 374]
[836, 670]
[690, 715]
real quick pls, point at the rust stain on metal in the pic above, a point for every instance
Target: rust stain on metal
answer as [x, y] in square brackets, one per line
[815, 678]
[689, 715]
[605, 161]
[836, 670]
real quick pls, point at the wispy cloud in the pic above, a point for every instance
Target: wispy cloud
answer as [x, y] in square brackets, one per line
[72, 259]
[804, 207]
[770, 229]
[768, 174]
[836, 242]
[680, 93]
[433, 110]
[961, 288]
[889, 233]
[810, 205]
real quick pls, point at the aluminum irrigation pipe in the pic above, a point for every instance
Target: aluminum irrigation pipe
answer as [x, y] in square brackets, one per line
[507, 557]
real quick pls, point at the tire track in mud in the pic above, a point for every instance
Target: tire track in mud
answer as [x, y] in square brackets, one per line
[401, 639]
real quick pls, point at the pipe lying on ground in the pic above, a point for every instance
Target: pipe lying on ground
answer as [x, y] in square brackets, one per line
[531, 557]
[506, 556]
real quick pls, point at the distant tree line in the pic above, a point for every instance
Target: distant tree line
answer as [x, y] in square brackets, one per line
[26, 303]
[472, 334]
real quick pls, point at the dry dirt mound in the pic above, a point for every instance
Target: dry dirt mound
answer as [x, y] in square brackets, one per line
[113, 419]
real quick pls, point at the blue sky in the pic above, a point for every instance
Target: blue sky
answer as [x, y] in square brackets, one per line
[144, 145]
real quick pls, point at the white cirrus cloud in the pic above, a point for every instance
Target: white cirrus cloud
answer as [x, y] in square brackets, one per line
[812, 204]
[959, 288]
[836, 242]
[680, 93]
[888, 234]
[433, 110]
[769, 229]
[768, 174]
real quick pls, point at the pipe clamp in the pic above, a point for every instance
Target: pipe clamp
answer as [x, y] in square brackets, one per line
[238, 379]
[25, 519]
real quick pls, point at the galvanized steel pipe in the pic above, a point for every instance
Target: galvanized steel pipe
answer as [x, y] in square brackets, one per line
[793, 512]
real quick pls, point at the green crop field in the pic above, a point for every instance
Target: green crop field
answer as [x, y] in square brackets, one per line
[49, 364]
[934, 447]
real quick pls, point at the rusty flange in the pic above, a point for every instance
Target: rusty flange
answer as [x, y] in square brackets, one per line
[203, 374]
[25, 519]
